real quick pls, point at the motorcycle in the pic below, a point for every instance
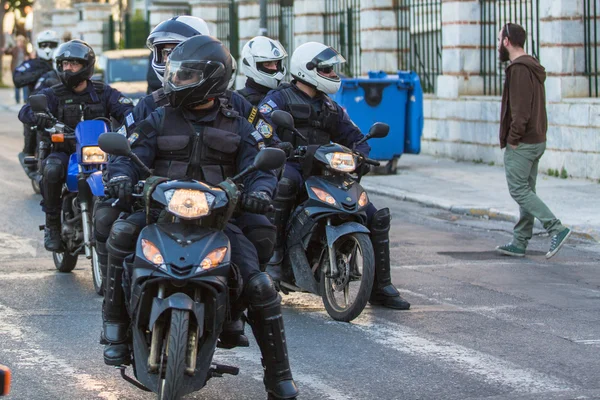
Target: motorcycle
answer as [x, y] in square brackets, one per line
[82, 189]
[328, 248]
[30, 165]
[180, 281]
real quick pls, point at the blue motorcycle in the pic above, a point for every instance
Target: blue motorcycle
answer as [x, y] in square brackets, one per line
[82, 189]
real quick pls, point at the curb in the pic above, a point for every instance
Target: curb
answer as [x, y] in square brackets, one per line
[582, 232]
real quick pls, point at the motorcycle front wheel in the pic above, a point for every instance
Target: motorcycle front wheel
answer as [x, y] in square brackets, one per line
[170, 387]
[64, 262]
[346, 294]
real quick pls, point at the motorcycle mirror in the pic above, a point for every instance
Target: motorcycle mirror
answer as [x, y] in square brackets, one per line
[379, 130]
[269, 158]
[38, 102]
[283, 119]
[4, 381]
[114, 143]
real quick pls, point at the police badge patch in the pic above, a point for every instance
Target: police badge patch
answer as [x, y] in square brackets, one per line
[125, 100]
[264, 128]
[265, 109]
[134, 136]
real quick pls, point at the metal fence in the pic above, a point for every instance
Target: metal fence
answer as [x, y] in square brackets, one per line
[127, 33]
[591, 33]
[228, 26]
[494, 15]
[419, 30]
[342, 32]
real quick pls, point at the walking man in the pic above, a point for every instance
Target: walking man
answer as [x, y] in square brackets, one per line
[523, 125]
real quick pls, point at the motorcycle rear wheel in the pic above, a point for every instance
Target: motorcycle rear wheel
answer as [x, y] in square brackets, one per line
[171, 387]
[349, 247]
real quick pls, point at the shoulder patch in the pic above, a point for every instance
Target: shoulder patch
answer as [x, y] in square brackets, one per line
[125, 100]
[265, 109]
[129, 119]
[122, 130]
[272, 103]
[264, 128]
[134, 136]
[257, 136]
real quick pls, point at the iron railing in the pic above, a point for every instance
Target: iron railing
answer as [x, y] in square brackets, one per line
[342, 32]
[280, 24]
[419, 30]
[494, 15]
[228, 26]
[591, 33]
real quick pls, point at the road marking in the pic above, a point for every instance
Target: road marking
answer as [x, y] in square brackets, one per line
[304, 379]
[33, 356]
[16, 246]
[586, 341]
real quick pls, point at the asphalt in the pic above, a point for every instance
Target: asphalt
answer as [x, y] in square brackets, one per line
[470, 188]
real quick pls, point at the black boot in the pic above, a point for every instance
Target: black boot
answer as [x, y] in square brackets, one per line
[114, 315]
[233, 330]
[282, 208]
[384, 293]
[267, 325]
[52, 239]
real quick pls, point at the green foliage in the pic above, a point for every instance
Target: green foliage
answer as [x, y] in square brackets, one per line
[479, 161]
[491, 163]
[138, 30]
[553, 172]
[563, 173]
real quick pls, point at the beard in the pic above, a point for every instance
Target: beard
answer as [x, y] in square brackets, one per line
[503, 55]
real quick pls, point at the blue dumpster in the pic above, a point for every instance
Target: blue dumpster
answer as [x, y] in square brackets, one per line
[396, 100]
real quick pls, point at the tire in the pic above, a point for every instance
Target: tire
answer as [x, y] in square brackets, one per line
[35, 185]
[171, 387]
[64, 262]
[97, 273]
[362, 243]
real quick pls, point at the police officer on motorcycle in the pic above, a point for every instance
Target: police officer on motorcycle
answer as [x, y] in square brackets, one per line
[197, 137]
[30, 72]
[322, 120]
[263, 63]
[75, 99]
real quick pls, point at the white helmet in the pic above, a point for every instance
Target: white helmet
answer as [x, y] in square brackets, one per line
[172, 31]
[309, 58]
[46, 42]
[259, 50]
[234, 73]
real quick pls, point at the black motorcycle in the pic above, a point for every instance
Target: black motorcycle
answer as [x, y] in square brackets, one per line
[328, 250]
[179, 283]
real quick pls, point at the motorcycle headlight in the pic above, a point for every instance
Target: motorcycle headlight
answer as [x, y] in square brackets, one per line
[93, 155]
[189, 203]
[324, 196]
[343, 162]
[213, 259]
[152, 253]
[363, 200]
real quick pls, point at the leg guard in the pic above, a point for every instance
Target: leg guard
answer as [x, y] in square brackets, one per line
[30, 142]
[263, 237]
[104, 217]
[114, 314]
[282, 208]
[264, 315]
[52, 239]
[232, 334]
[52, 181]
[383, 292]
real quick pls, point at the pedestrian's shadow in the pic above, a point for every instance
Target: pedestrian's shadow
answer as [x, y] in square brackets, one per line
[483, 255]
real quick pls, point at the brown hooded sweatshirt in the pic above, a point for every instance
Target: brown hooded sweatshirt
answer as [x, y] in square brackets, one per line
[523, 112]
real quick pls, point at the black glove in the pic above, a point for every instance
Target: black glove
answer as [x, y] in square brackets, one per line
[287, 148]
[120, 187]
[256, 202]
[43, 120]
[364, 169]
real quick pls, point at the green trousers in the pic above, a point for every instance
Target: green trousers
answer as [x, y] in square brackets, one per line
[521, 166]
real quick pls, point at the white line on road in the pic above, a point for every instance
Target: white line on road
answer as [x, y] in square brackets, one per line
[32, 355]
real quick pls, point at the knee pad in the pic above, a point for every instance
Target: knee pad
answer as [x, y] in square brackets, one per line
[123, 237]
[263, 237]
[260, 290]
[286, 189]
[54, 171]
[381, 221]
[104, 218]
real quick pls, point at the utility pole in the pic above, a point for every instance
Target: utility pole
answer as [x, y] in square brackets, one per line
[262, 31]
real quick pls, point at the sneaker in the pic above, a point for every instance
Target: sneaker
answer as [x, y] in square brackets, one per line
[557, 241]
[511, 250]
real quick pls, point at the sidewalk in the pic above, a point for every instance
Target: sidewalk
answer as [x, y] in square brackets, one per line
[481, 190]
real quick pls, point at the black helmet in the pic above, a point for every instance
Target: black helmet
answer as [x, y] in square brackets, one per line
[197, 71]
[75, 50]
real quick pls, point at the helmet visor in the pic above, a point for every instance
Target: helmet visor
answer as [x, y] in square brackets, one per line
[181, 75]
[51, 45]
[328, 58]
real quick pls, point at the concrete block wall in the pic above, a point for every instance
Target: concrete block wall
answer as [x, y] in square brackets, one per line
[90, 24]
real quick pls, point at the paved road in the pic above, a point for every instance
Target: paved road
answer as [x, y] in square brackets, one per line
[481, 326]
